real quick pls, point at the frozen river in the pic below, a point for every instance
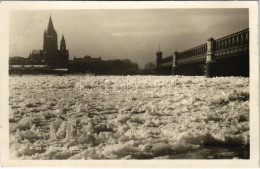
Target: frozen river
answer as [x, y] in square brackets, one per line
[128, 117]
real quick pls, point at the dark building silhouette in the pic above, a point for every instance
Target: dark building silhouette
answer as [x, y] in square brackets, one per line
[17, 60]
[50, 55]
[89, 64]
[50, 40]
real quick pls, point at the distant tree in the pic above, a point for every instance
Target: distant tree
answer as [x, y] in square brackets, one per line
[150, 66]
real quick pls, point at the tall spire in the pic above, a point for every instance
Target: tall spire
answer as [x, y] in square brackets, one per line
[50, 29]
[159, 51]
[62, 43]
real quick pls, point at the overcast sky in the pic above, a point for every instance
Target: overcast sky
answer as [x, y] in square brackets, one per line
[124, 34]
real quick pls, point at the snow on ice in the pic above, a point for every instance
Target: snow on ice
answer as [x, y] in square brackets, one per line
[127, 117]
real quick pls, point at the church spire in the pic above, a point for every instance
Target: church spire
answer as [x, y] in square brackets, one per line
[50, 43]
[50, 29]
[62, 43]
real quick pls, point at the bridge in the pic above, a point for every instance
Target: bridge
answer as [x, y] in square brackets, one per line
[226, 56]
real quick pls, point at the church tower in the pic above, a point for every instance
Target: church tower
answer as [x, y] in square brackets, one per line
[50, 55]
[50, 43]
[62, 44]
[44, 39]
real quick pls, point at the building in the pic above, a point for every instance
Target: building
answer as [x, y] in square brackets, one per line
[85, 64]
[50, 55]
[88, 64]
[86, 59]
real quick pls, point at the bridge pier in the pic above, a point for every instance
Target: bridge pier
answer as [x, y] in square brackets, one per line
[174, 63]
[158, 62]
[210, 57]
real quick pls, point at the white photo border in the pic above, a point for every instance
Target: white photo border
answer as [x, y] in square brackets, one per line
[6, 7]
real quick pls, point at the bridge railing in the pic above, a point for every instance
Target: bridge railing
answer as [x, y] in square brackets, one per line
[230, 45]
[233, 40]
[196, 54]
[167, 61]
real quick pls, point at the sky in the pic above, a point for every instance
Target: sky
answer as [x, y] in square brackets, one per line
[134, 34]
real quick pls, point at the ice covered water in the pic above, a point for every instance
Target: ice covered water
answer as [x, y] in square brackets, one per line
[128, 117]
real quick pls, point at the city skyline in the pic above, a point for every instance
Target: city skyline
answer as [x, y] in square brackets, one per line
[131, 34]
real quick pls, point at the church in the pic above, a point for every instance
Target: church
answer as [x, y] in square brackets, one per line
[50, 55]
